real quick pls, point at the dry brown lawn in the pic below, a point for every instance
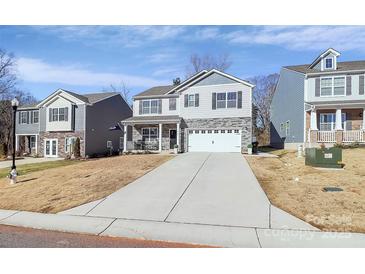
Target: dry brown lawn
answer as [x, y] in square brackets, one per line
[57, 189]
[298, 189]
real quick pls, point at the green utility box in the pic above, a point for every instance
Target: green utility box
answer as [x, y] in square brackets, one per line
[324, 157]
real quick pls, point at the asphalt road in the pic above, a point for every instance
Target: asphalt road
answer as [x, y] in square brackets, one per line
[11, 236]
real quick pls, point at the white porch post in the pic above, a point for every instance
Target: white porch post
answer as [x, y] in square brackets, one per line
[160, 137]
[313, 120]
[338, 119]
[363, 119]
[125, 138]
[36, 144]
[178, 136]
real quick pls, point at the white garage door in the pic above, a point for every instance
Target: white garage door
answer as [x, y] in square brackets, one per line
[218, 140]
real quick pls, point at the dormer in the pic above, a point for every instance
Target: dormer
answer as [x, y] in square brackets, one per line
[326, 61]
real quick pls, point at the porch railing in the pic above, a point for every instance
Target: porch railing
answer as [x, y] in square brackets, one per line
[326, 136]
[351, 136]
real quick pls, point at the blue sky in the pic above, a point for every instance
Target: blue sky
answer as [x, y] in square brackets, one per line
[90, 58]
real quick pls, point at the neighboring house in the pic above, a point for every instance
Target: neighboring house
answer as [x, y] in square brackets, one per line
[322, 102]
[210, 111]
[51, 127]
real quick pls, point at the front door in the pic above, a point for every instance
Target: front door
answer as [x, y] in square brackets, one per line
[173, 141]
[50, 148]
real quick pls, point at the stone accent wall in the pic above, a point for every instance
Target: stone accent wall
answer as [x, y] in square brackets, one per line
[60, 136]
[242, 123]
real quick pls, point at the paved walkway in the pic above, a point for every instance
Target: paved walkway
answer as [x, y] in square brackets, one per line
[201, 198]
[26, 160]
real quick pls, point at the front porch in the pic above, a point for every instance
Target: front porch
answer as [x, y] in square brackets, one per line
[154, 134]
[27, 144]
[335, 125]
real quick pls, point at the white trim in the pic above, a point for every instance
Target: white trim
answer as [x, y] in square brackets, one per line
[221, 73]
[333, 86]
[50, 148]
[187, 80]
[58, 92]
[325, 65]
[320, 57]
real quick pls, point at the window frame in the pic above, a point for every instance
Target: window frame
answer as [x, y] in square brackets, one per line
[191, 103]
[226, 100]
[333, 122]
[287, 128]
[150, 137]
[34, 137]
[333, 86]
[325, 63]
[68, 144]
[148, 109]
[109, 144]
[33, 116]
[172, 104]
[21, 117]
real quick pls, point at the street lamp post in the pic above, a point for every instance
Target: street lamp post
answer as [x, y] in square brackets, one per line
[13, 173]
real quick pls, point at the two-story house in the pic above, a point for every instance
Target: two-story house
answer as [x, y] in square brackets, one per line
[321, 102]
[210, 111]
[51, 127]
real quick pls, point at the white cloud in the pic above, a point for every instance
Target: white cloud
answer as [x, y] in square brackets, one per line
[123, 36]
[38, 71]
[302, 37]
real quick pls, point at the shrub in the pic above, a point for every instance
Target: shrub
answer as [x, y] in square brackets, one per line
[76, 149]
[322, 146]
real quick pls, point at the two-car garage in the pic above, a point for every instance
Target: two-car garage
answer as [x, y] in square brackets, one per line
[214, 140]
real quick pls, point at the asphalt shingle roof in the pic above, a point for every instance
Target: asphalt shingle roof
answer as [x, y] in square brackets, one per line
[341, 66]
[159, 90]
[156, 118]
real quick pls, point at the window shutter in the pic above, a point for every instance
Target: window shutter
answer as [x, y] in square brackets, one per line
[186, 100]
[196, 99]
[160, 106]
[19, 117]
[361, 84]
[28, 117]
[348, 85]
[50, 114]
[214, 100]
[140, 106]
[318, 87]
[31, 118]
[66, 114]
[239, 99]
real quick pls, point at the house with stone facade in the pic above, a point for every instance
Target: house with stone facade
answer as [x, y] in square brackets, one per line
[320, 102]
[210, 111]
[51, 127]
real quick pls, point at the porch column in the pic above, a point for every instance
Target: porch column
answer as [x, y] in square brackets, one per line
[125, 138]
[160, 137]
[36, 144]
[363, 119]
[338, 119]
[178, 136]
[313, 120]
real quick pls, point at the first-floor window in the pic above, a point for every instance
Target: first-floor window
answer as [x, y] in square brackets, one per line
[69, 144]
[327, 121]
[32, 141]
[149, 134]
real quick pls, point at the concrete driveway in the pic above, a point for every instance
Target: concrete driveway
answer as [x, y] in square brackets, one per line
[194, 188]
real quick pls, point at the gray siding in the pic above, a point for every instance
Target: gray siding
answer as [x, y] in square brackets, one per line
[26, 128]
[215, 79]
[288, 104]
[42, 119]
[79, 119]
[99, 118]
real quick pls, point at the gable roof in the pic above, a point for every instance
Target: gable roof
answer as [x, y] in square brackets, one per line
[171, 89]
[87, 98]
[323, 54]
[341, 66]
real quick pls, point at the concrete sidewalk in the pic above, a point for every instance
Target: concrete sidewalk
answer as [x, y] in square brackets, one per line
[27, 160]
[224, 236]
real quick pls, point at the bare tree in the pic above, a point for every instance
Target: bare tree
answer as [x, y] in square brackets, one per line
[262, 97]
[198, 63]
[123, 90]
[8, 77]
[8, 90]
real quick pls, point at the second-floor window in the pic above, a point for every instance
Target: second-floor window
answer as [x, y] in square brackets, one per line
[150, 106]
[333, 86]
[172, 104]
[29, 117]
[35, 116]
[23, 117]
[58, 114]
[227, 100]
